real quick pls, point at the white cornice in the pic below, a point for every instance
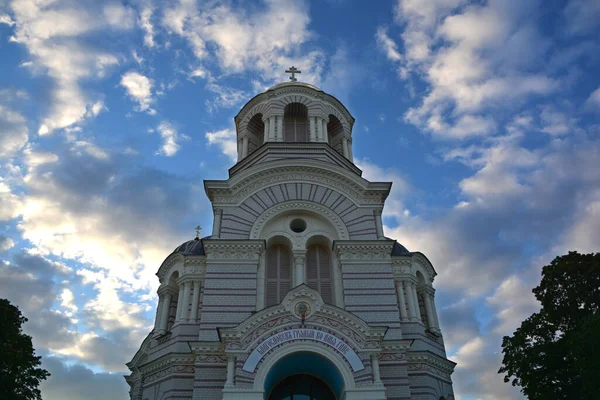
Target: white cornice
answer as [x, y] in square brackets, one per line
[235, 190]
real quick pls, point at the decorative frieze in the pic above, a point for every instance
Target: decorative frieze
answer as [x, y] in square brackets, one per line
[364, 250]
[175, 369]
[228, 250]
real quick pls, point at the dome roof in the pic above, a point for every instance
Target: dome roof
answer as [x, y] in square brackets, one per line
[399, 250]
[191, 247]
[295, 83]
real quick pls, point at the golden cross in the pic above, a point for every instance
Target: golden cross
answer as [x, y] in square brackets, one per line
[198, 229]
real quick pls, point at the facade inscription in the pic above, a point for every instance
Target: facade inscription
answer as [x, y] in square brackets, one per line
[291, 335]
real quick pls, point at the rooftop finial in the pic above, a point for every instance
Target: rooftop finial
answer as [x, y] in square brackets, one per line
[293, 71]
[198, 229]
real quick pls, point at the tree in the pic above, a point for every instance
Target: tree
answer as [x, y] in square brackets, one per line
[19, 377]
[555, 353]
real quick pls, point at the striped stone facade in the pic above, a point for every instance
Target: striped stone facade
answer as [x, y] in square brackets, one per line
[221, 332]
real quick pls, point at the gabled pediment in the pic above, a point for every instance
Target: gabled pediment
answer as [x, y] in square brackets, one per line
[303, 307]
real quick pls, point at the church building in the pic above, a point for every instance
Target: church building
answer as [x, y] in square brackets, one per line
[297, 293]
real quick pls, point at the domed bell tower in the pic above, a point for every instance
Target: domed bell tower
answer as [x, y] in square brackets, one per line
[297, 292]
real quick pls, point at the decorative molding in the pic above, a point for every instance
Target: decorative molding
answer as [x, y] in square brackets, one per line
[377, 251]
[171, 260]
[166, 361]
[304, 205]
[174, 369]
[392, 357]
[429, 362]
[227, 250]
[420, 259]
[211, 359]
[267, 177]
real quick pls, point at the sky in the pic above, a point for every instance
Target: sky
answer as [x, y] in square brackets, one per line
[485, 115]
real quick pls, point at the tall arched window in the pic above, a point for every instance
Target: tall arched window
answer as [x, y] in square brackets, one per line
[295, 123]
[318, 270]
[174, 300]
[279, 261]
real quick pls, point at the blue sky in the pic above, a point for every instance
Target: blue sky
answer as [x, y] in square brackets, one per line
[485, 115]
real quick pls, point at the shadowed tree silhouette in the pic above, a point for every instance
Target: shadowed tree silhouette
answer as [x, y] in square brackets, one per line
[19, 375]
[555, 353]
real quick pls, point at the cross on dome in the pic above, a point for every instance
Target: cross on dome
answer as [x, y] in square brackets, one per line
[198, 229]
[293, 70]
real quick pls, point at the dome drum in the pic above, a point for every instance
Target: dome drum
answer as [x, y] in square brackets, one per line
[294, 113]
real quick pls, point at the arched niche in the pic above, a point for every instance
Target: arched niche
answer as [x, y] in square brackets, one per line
[256, 132]
[319, 220]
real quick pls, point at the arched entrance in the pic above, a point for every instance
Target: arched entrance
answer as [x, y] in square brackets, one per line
[301, 387]
[303, 376]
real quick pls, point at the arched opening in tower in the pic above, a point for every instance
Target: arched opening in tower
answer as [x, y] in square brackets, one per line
[256, 133]
[295, 123]
[336, 133]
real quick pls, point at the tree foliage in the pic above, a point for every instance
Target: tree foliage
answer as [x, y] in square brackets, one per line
[19, 375]
[555, 353]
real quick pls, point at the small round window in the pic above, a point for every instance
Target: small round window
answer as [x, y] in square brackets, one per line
[298, 225]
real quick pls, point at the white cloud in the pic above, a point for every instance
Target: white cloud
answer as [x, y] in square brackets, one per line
[227, 97]
[390, 48]
[394, 205]
[170, 138]
[475, 58]
[139, 89]
[54, 35]
[119, 16]
[10, 203]
[6, 19]
[513, 301]
[593, 101]
[583, 235]
[555, 122]
[145, 21]
[226, 140]
[67, 300]
[264, 39]
[13, 131]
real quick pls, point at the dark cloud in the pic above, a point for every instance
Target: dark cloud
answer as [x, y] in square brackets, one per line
[5, 243]
[77, 382]
[28, 282]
